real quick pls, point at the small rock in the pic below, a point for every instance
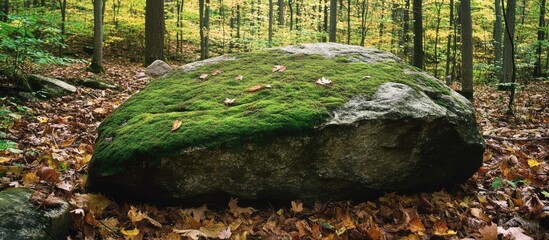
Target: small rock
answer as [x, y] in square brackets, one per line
[158, 68]
[20, 219]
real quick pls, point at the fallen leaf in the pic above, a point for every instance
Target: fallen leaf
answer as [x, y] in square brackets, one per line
[514, 233]
[135, 215]
[129, 234]
[239, 77]
[303, 228]
[297, 206]
[489, 232]
[236, 210]
[324, 82]
[42, 119]
[217, 72]
[176, 125]
[533, 163]
[196, 213]
[108, 226]
[192, 233]
[4, 159]
[47, 174]
[229, 101]
[255, 88]
[30, 179]
[203, 76]
[225, 234]
[279, 68]
[413, 221]
[100, 111]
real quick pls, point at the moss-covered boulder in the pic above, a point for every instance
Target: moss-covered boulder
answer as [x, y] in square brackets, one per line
[318, 121]
[20, 219]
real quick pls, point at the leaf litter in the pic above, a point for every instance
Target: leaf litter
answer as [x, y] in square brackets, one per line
[508, 197]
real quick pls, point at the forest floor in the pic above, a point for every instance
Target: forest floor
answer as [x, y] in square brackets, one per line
[508, 196]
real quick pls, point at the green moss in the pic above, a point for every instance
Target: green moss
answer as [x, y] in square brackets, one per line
[141, 128]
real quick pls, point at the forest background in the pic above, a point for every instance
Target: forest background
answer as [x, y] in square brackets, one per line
[59, 31]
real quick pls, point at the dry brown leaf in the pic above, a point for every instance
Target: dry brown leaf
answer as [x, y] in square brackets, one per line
[488, 232]
[203, 76]
[30, 179]
[236, 210]
[176, 125]
[279, 68]
[229, 101]
[198, 214]
[47, 174]
[297, 206]
[513, 233]
[255, 88]
[324, 82]
[217, 72]
[413, 221]
[239, 77]
[303, 228]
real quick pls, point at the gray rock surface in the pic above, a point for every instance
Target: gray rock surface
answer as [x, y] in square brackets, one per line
[21, 220]
[158, 68]
[401, 138]
[51, 87]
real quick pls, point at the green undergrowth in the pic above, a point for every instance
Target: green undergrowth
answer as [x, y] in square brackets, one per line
[141, 128]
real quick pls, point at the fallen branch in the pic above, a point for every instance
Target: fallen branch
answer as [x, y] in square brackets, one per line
[515, 139]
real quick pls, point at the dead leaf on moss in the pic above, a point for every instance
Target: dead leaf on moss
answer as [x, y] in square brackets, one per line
[203, 76]
[176, 125]
[239, 77]
[324, 82]
[279, 68]
[229, 101]
[217, 72]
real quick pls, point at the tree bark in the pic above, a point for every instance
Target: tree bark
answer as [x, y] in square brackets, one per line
[497, 39]
[438, 6]
[97, 59]
[348, 21]
[363, 14]
[508, 48]
[271, 13]
[448, 75]
[541, 37]
[466, 50]
[154, 31]
[417, 60]
[281, 12]
[333, 20]
[406, 30]
[4, 12]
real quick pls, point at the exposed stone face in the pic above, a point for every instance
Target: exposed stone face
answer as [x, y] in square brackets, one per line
[402, 137]
[50, 86]
[19, 219]
[158, 68]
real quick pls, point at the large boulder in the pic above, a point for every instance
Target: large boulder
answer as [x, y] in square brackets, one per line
[20, 219]
[312, 122]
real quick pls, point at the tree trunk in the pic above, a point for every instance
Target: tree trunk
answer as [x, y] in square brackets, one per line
[154, 31]
[438, 6]
[325, 25]
[238, 21]
[448, 75]
[541, 37]
[348, 21]
[363, 22]
[4, 12]
[207, 29]
[509, 67]
[508, 48]
[406, 30]
[271, 13]
[417, 60]
[497, 39]
[466, 50]
[281, 12]
[333, 20]
[290, 5]
[97, 59]
[381, 24]
[63, 6]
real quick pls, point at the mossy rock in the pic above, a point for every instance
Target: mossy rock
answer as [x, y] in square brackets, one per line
[379, 125]
[20, 219]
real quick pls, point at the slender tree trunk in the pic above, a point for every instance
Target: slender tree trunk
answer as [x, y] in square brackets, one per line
[238, 19]
[418, 34]
[381, 24]
[348, 21]
[281, 12]
[325, 26]
[63, 7]
[466, 50]
[508, 49]
[363, 22]
[4, 12]
[202, 31]
[406, 30]
[448, 75]
[298, 22]
[154, 31]
[437, 30]
[291, 8]
[509, 67]
[541, 37]
[497, 39]
[97, 59]
[271, 13]
[333, 20]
